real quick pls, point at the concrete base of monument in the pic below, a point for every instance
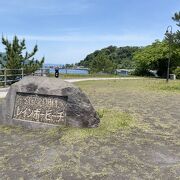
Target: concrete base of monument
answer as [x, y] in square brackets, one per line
[41, 102]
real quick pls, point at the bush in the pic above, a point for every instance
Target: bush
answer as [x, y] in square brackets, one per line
[177, 72]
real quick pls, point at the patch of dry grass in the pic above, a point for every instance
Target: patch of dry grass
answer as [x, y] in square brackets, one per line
[145, 84]
[111, 122]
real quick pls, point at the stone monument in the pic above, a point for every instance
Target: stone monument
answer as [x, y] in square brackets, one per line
[42, 102]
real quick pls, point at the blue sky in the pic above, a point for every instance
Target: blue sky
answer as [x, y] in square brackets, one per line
[67, 30]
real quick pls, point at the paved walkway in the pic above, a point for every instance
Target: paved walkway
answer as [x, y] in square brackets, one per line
[3, 91]
[97, 79]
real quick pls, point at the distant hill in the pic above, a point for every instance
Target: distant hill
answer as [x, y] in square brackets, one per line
[122, 56]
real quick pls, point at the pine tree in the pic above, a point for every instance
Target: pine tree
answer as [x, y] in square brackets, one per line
[102, 64]
[176, 18]
[16, 58]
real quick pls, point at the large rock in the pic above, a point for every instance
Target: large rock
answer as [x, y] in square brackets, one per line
[41, 102]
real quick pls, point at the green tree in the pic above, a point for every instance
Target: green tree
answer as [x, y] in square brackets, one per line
[176, 18]
[102, 64]
[2, 59]
[16, 58]
[177, 72]
[121, 56]
[155, 57]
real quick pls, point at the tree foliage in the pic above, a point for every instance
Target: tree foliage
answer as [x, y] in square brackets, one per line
[114, 57]
[102, 63]
[177, 72]
[155, 57]
[16, 58]
[176, 18]
[2, 59]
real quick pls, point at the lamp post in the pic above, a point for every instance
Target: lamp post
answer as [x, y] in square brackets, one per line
[169, 36]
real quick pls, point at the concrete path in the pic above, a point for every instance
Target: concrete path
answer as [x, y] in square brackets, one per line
[3, 91]
[97, 79]
[3, 94]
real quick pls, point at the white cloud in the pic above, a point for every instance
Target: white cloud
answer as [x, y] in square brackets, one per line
[45, 7]
[88, 38]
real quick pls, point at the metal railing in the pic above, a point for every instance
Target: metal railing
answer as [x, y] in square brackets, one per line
[9, 76]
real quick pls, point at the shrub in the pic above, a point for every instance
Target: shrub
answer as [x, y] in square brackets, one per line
[177, 72]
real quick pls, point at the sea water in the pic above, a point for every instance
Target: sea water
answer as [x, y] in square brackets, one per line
[66, 71]
[70, 71]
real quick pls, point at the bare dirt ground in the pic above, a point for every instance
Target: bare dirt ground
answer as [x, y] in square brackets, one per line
[149, 150]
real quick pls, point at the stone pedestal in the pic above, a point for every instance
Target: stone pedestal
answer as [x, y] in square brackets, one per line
[42, 102]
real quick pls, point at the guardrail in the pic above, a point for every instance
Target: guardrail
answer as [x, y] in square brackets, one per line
[13, 75]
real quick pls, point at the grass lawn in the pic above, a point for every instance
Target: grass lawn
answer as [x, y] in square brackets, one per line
[138, 138]
[73, 76]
